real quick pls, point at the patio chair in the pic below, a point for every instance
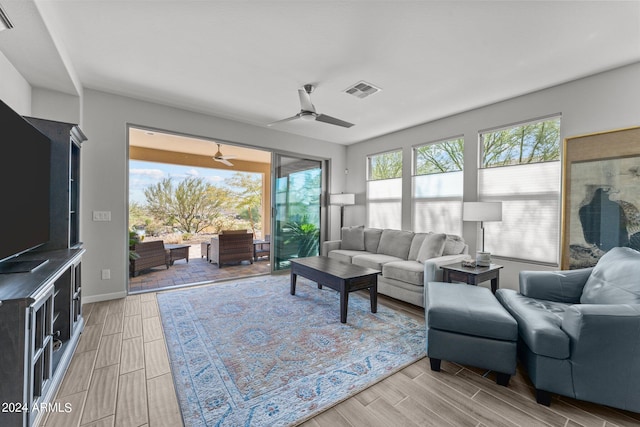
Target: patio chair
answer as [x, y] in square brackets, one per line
[150, 254]
[262, 248]
[231, 246]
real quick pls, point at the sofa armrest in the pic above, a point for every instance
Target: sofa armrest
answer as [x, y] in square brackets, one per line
[560, 286]
[330, 245]
[605, 349]
[432, 270]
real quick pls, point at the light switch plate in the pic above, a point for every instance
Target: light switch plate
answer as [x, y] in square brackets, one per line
[102, 215]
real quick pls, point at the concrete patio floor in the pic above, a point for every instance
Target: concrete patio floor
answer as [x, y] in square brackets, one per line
[196, 271]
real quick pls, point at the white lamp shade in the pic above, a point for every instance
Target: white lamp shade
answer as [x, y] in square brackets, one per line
[342, 199]
[482, 211]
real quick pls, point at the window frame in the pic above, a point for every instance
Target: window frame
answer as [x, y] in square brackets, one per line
[554, 220]
[397, 223]
[415, 176]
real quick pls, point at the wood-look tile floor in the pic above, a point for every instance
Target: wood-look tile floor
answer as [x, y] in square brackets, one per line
[120, 376]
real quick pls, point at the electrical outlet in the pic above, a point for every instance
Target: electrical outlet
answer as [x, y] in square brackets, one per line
[106, 274]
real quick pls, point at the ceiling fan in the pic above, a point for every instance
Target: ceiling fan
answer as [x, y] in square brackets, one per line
[218, 157]
[308, 111]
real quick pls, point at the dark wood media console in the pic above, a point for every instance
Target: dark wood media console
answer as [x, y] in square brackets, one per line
[41, 310]
[40, 324]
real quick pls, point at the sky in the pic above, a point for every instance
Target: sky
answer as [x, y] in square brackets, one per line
[143, 174]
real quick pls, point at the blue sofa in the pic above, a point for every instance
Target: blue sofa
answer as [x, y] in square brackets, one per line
[579, 330]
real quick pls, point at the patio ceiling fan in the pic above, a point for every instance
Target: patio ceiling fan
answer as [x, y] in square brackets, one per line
[308, 111]
[219, 157]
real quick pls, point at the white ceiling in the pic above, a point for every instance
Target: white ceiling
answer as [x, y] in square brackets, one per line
[245, 60]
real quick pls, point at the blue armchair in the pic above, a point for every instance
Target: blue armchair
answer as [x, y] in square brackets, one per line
[579, 330]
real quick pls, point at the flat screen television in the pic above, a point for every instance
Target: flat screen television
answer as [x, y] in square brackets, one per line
[25, 158]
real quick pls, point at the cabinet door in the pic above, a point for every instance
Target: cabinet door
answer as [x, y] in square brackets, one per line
[77, 294]
[41, 330]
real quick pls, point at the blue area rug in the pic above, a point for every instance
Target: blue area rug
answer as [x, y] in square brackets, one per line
[248, 353]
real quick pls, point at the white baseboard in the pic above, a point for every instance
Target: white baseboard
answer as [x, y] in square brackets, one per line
[103, 297]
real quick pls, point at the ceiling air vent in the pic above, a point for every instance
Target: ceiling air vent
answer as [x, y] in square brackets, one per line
[362, 89]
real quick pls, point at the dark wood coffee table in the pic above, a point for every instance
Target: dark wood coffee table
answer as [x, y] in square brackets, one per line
[472, 275]
[338, 276]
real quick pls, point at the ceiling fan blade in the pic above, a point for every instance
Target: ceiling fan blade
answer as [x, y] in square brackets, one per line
[305, 101]
[297, 116]
[223, 161]
[229, 157]
[333, 121]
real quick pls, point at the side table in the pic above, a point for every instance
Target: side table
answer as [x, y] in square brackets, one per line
[177, 252]
[472, 275]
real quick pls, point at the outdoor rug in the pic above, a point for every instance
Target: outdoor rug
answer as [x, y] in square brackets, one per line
[248, 353]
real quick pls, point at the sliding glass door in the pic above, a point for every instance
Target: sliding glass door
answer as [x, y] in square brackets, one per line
[297, 209]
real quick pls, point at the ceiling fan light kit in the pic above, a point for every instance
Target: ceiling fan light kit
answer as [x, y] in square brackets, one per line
[308, 111]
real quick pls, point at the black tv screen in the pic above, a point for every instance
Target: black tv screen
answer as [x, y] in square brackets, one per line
[25, 156]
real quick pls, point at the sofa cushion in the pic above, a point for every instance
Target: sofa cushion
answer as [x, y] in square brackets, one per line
[395, 243]
[405, 271]
[539, 323]
[372, 239]
[454, 245]
[614, 279]
[345, 256]
[374, 261]
[432, 247]
[353, 238]
[418, 238]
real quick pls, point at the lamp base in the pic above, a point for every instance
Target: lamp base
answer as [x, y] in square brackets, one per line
[483, 259]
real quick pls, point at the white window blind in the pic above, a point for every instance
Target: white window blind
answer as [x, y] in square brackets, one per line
[530, 196]
[437, 203]
[384, 203]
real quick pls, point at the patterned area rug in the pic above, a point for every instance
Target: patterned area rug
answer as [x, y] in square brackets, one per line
[248, 353]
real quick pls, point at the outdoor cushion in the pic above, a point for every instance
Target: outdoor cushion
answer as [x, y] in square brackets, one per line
[539, 323]
[395, 243]
[431, 247]
[372, 239]
[405, 271]
[353, 238]
[615, 279]
[374, 261]
[345, 256]
[454, 245]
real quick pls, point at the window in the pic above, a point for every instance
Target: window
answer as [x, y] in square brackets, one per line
[437, 187]
[384, 190]
[520, 166]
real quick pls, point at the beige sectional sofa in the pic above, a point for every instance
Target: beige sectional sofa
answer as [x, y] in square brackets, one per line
[407, 260]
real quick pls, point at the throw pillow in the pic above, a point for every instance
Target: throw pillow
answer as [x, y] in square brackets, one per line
[432, 247]
[353, 238]
[372, 239]
[454, 245]
[614, 279]
[395, 243]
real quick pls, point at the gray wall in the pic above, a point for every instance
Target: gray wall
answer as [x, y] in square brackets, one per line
[601, 102]
[104, 173]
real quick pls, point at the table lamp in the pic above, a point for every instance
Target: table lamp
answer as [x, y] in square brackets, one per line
[482, 211]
